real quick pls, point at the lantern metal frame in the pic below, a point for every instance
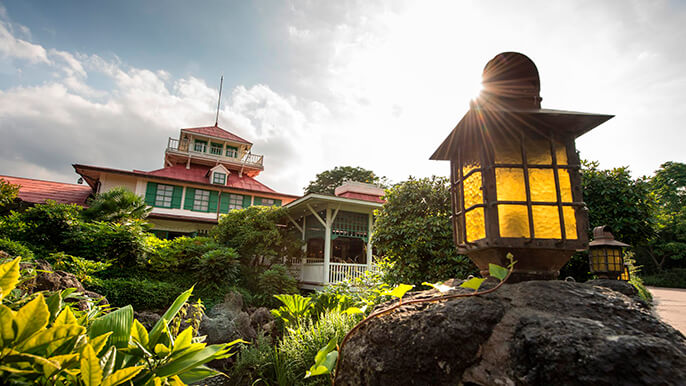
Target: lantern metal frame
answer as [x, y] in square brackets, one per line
[509, 110]
[604, 241]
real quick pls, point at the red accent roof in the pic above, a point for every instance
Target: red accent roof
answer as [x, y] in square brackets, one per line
[38, 191]
[362, 196]
[200, 174]
[215, 131]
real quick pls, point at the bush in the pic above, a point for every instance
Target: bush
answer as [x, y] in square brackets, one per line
[142, 294]
[178, 255]
[15, 248]
[122, 244]
[81, 268]
[218, 266]
[672, 278]
[277, 280]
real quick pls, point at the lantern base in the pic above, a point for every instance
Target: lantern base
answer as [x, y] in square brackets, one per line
[532, 264]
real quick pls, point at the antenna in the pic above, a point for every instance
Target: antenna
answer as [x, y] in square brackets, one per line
[219, 100]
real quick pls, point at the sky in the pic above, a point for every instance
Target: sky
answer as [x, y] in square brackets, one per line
[318, 84]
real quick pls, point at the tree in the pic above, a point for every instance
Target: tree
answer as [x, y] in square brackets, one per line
[8, 192]
[327, 181]
[116, 205]
[414, 231]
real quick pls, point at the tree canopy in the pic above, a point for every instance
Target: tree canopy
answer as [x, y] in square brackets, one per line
[327, 181]
[118, 204]
[8, 192]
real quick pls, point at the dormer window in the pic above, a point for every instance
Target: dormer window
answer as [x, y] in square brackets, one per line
[216, 148]
[199, 146]
[231, 151]
[219, 178]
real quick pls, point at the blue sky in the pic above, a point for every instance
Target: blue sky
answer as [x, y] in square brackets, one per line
[317, 84]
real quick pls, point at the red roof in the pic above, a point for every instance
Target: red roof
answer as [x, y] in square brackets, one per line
[362, 196]
[38, 191]
[200, 174]
[215, 131]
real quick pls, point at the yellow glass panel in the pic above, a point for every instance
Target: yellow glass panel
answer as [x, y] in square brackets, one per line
[508, 152]
[509, 184]
[565, 185]
[542, 185]
[570, 222]
[538, 152]
[469, 166]
[561, 154]
[472, 190]
[476, 227]
[546, 222]
[513, 220]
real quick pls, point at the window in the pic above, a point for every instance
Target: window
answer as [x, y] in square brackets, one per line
[235, 201]
[200, 146]
[163, 198]
[219, 178]
[201, 200]
[216, 148]
[268, 202]
[232, 152]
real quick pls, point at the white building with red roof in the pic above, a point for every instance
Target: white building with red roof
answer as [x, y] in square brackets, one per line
[207, 172]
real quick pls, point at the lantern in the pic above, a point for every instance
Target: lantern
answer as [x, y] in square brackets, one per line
[515, 183]
[605, 255]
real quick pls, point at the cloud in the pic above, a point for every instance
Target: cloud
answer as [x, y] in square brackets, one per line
[13, 47]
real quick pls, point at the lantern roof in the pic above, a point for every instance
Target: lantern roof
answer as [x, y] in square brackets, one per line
[602, 236]
[510, 101]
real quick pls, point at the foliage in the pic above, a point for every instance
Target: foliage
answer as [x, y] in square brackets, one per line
[116, 205]
[256, 234]
[413, 230]
[327, 181]
[15, 249]
[178, 255]
[8, 192]
[83, 269]
[44, 341]
[671, 278]
[220, 265]
[121, 244]
[276, 280]
[294, 309]
[143, 294]
[635, 279]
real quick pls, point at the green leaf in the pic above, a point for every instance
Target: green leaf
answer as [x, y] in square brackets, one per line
[161, 350]
[139, 333]
[157, 330]
[353, 311]
[194, 359]
[99, 342]
[118, 322]
[497, 271]
[324, 351]
[473, 283]
[197, 374]
[121, 376]
[65, 317]
[54, 303]
[399, 291]
[31, 318]
[6, 330]
[51, 337]
[91, 373]
[183, 341]
[326, 367]
[9, 276]
[107, 361]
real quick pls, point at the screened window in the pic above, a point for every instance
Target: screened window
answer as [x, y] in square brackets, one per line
[201, 201]
[219, 178]
[235, 201]
[268, 202]
[231, 152]
[200, 146]
[163, 198]
[216, 148]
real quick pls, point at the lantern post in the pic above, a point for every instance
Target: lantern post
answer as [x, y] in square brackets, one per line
[515, 182]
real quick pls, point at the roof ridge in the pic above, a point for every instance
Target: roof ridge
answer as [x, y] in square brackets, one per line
[39, 180]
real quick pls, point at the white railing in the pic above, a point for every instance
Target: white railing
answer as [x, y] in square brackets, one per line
[249, 159]
[342, 271]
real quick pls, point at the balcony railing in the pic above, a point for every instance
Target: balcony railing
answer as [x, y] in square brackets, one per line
[342, 271]
[202, 150]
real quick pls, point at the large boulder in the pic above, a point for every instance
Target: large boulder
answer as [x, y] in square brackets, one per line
[51, 280]
[528, 333]
[227, 321]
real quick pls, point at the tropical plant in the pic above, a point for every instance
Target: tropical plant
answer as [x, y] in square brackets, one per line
[81, 268]
[295, 308]
[8, 192]
[116, 205]
[217, 267]
[15, 249]
[327, 181]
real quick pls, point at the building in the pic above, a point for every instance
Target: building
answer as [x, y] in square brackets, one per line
[337, 233]
[207, 172]
[32, 191]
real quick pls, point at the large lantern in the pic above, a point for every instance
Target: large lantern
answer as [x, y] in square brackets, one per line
[515, 182]
[606, 256]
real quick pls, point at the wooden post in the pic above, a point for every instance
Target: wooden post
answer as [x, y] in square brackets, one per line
[327, 244]
[369, 242]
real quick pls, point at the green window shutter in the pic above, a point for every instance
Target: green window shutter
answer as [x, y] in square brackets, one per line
[224, 203]
[258, 201]
[212, 207]
[246, 201]
[150, 193]
[176, 197]
[277, 202]
[190, 196]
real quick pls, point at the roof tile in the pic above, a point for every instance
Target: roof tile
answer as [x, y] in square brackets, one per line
[38, 191]
[216, 131]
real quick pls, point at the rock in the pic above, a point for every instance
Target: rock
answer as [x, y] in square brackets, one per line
[226, 321]
[48, 279]
[147, 318]
[528, 333]
[260, 317]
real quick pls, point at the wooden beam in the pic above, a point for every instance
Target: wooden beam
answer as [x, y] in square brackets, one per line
[295, 223]
[335, 213]
[316, 215]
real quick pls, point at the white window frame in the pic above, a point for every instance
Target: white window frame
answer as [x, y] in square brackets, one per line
[235, 201]
[164, 195]
[201, 200]
[214, 178]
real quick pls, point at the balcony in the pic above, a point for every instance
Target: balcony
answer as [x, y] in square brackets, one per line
[174, 146]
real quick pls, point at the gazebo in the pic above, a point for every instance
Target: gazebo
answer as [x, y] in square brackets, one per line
[337, 233]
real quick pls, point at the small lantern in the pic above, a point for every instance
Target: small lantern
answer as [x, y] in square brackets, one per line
[605, 254]
[515, 183]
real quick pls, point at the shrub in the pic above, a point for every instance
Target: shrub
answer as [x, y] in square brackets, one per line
[142, 294]
[15, 248]
[81, 268]
[672, 278]
[118, 204]
[218, 266]
[180, 254]
[277, 280]
[122, 244]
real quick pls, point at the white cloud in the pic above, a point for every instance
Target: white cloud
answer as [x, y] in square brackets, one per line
[13, 47]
